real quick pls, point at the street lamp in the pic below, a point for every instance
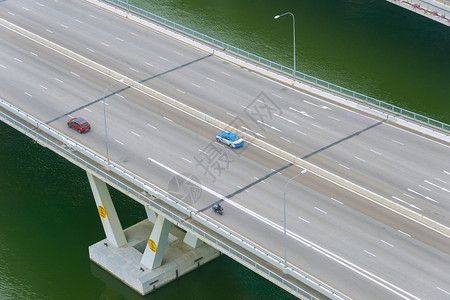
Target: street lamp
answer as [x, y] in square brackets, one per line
[293, 30]
[104, 115]
[284, 198]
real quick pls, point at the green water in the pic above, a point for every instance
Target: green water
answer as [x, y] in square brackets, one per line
[48, 216]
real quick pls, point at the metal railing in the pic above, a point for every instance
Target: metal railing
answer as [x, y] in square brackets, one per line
[283, 70]
[180, 221]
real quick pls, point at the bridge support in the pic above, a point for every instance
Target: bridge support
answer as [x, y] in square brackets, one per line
[148, 254]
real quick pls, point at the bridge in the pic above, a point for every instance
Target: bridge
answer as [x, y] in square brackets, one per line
[436, 10]
[368, 220]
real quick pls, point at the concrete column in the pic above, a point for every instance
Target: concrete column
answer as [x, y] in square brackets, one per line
[192, 240]
[156, 244]
[106, 210]
[151, 214]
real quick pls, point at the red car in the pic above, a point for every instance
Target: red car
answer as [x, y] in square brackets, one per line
[79, 124]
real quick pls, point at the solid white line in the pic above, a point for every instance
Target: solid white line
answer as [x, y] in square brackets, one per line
[28, 94]
[398, 199]
[286, 119]
[426, 197]
[349, 265]
[135, 133]
[258, 134]
[358, 158]
[168, 119]
[438, 179]
[73, 73]
[118, 142]
[344, 166]
[320, 210]
[32, 53]
[370, 253]
[185, 159]
[151, 126]
[313, 104]
[336, 201]
[443, 290]
[304, 220]
[59, 80]
[444, 189]
[387, 243]
[17, 59]
[424, 188]
[274, 128]
[409, 196]
[446, 172]
[413, 206]
[404, 233]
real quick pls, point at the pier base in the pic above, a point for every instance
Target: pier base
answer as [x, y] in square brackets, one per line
[125, 262]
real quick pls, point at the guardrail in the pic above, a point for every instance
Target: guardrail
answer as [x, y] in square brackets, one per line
[349, 95]
[161, 194]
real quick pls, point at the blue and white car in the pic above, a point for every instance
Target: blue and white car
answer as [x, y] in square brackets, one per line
[230, 139]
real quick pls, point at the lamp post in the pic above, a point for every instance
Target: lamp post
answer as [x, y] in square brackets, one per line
[284, 199]
[104, 115]
[293, 30]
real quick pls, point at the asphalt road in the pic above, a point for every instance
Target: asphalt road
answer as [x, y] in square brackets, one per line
[352, 244]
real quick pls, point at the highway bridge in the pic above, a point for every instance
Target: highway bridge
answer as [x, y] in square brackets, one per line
[369, 220]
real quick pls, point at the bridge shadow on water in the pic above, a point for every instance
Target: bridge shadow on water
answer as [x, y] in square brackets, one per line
[126, 88]
[291, 164]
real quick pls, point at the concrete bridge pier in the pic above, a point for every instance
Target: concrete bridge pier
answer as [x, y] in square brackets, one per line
[150, 253]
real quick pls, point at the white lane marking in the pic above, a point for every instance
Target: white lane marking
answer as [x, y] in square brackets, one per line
[196, 85]
[185, 159]
[64, 26]
[301, 112]
[45, 88]
[40, 4]
[316, 126]
[32, 53]
[88, 109]
[304, 220]
[430, 183]
[210, 79]
[398, 199]
[424, 188]
[73, 73]
[230, 114]
[443, 290]
[226, 74]
[438, 179]
[163, 58]
[118, 141]
[359, 158]
[336, 119]
[135, 34]
[388, 243]
[181, 91]
[48, 30]
[59, 80]
[426, 197]
[11, 13]
[300, 132]
[135, 133]
[286, 119]
[78, 21]
[285, 139]
[90, 49]
[151, 126]
[336, 201]
[409, 196]
[320, 210]
[370, 253]
[413, 206]
[349, 265]
[199, 150]
[105, 44]
[256, 178]
[404, 233]
[28, 94]
[120, 96]
[265, 124]
[147, 63]
[310, 103]
[25, 8]
[133, 69]
[3, 67]
[168, 119]
[104, 102]
[179, 53]
[278, 96]
[240, 187]
[92, 16]
[446, 172]
[17, 59]
[258, 134]
[344, 166]
[371, 150]
[119, 39]
[397, 142]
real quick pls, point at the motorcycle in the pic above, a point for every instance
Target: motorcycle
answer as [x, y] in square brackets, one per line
[218, 209]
